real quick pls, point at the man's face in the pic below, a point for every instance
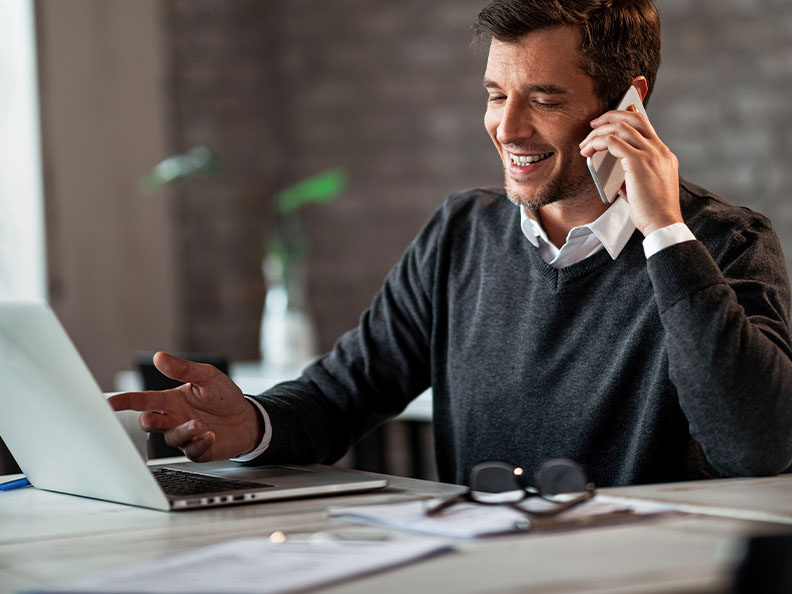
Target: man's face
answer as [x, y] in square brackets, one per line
[539, 107]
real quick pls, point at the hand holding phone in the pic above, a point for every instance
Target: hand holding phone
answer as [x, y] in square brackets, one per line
[605, 168]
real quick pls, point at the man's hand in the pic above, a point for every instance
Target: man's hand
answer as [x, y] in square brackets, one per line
[208, 418]
[651, 170]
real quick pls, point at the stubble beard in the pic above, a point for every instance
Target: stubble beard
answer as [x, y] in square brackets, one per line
[557, 189]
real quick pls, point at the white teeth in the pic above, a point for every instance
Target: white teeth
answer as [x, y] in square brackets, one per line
[523, 160]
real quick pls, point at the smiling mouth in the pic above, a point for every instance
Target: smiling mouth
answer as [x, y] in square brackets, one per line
[525, 160]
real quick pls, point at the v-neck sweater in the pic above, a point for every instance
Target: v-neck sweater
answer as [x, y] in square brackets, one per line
[673, 368]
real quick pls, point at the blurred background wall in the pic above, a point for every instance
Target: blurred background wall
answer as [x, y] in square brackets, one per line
[104, 97]
[281, 89]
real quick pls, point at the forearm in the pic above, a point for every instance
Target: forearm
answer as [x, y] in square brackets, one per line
[371, 375]
[730, 361]
[304, 428]
[337, 400]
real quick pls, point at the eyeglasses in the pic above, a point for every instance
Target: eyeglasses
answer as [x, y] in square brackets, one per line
[559, 475]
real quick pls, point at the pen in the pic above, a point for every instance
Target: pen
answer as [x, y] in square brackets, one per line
[17, 484]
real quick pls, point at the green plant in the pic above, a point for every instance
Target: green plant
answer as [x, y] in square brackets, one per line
[288, 243]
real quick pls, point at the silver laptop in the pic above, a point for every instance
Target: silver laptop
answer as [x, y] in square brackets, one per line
[66, 438]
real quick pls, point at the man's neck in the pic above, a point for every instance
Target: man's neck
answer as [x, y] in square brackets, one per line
[560, 217]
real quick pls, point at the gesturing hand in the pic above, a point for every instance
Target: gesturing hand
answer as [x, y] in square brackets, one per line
[207, 417]
[651, 177]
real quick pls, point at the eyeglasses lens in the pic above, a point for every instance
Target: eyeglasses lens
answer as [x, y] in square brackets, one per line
[561, 476]
[497, 477]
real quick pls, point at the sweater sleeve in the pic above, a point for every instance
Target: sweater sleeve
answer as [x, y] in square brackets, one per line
[371, 374]
[728, 343]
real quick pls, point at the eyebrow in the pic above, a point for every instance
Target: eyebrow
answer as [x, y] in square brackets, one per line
[544, 89]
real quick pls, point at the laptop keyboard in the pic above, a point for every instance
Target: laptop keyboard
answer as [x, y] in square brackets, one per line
[180, 483]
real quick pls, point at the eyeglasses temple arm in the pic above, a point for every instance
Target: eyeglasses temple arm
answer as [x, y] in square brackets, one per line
[562, 506]
[443, 505]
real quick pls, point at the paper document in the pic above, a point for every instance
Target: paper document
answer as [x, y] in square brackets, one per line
[259, 565]
[470, 520]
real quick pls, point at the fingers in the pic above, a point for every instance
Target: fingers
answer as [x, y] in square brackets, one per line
[631, 116]
[198, 449]
[183, 370]
[151, 400]
[632, 127]
[152, 422]
[619, 144]
[181, 435]
[191, 439]
[602, 139]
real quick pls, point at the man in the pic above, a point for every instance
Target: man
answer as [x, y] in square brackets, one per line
[648, 340]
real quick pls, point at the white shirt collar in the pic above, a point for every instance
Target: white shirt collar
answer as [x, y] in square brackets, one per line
[612, 230]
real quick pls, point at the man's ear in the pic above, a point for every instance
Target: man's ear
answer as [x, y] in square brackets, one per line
[639, 82]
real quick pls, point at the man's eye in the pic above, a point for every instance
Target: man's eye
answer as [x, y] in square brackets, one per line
[546, 105]
[495, 98]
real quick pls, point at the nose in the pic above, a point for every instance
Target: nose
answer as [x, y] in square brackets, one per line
[515, 123]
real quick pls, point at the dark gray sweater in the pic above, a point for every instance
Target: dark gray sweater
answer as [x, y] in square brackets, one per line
[674, 368]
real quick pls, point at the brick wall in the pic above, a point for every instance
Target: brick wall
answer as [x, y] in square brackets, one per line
[280, 90]
[391, 92]
[722, 102]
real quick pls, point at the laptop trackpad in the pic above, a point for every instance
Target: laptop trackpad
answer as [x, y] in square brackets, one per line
[233, 470]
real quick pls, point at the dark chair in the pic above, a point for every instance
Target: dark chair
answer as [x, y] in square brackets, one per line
[766, 566]
[7, 463]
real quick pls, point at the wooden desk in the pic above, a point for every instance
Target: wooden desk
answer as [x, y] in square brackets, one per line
[46, 538]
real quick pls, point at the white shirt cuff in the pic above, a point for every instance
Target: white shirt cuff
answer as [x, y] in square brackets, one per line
[265, 441]
[665, 237]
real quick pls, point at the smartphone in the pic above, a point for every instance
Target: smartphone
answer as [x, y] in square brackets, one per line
[605, 168]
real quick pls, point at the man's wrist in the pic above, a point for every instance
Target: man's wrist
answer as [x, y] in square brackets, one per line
[665, 237]
[263, 432]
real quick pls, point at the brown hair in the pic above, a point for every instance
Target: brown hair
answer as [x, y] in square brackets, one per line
[619, 39]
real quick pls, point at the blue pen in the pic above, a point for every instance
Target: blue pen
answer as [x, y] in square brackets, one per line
[17, 484]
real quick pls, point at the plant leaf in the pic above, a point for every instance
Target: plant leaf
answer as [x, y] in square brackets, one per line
[200, 160]
[322, 187]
